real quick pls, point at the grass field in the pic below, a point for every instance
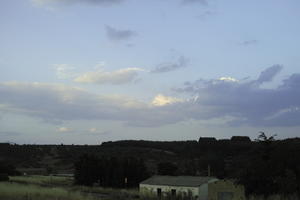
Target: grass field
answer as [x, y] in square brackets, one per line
[62, 188]
[58, 188]
[43, 180]
[16, 191]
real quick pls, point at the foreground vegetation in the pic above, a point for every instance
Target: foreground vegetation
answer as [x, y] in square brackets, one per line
[43, 180]
[58, 188]
[16, 191]
[61, 188]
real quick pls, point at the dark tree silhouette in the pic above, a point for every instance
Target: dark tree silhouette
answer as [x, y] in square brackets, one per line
[110, 171]
[166, 168]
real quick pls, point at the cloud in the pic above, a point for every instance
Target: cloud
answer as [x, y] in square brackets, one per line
[167, 67]
[229, 79]
[202, 2]
[61, 102]
[119, 35]
[64, 129]
[117, 77]
[246, 102]
[240, 102]
[92, 130]
[64, 71]
[249, 42]
[161, 100]
[70, 2]
[268, 74]
[96, 132]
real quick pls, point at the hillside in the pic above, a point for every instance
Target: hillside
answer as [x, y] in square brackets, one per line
[224, 157]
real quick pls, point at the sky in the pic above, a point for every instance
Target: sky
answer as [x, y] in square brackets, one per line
[90, 71]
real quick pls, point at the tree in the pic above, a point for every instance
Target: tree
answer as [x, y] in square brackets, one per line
[166, 168]
[110, 171]
[86, 170]
[269, 171]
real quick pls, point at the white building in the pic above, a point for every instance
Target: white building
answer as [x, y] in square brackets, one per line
[193, 187]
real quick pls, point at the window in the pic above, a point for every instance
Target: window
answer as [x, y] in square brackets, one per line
[159, 192]
[225, 195]
[173, 192]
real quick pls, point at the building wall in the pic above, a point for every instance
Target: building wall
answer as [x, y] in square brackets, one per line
[217, 189]
[203, 190]
[146, 189]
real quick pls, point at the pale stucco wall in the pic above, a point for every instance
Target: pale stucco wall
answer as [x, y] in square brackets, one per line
[225, 186]
[146, 189]
[203, 190]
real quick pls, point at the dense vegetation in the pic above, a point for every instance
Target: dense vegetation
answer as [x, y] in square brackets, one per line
[265, 166]
[110, 171]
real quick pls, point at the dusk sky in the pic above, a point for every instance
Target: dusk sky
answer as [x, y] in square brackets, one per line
[90, 71]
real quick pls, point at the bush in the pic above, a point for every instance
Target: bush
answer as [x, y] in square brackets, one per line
[4, 177]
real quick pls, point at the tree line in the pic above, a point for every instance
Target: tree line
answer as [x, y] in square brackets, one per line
[110, 171]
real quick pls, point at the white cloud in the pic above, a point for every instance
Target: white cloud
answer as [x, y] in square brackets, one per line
[64, 71]
[229, 79]
[63, 129]
[120, 76]
[161, 100]
[92, 130]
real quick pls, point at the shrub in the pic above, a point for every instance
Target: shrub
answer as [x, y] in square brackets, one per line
[4, 177]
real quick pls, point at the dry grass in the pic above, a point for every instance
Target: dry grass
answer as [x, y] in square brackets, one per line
[43, 180]
[275, 197]
[15, 191]
[66, 184]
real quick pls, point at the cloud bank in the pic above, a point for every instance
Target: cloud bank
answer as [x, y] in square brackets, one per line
[60, 103]
[247, 102]
[240, 102]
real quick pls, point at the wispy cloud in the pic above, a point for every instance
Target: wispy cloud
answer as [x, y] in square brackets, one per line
[248, 42]
[118, 34]
[205, 14]
[202, 2]
[64, 71]
[167, 67]
[117, 77]
[70, 2]
[64, 129]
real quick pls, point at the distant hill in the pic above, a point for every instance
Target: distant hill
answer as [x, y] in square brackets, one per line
[224, 157]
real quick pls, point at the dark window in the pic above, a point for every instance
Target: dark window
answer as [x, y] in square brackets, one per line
[159, 192]
[225, 195]
[173, 192]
